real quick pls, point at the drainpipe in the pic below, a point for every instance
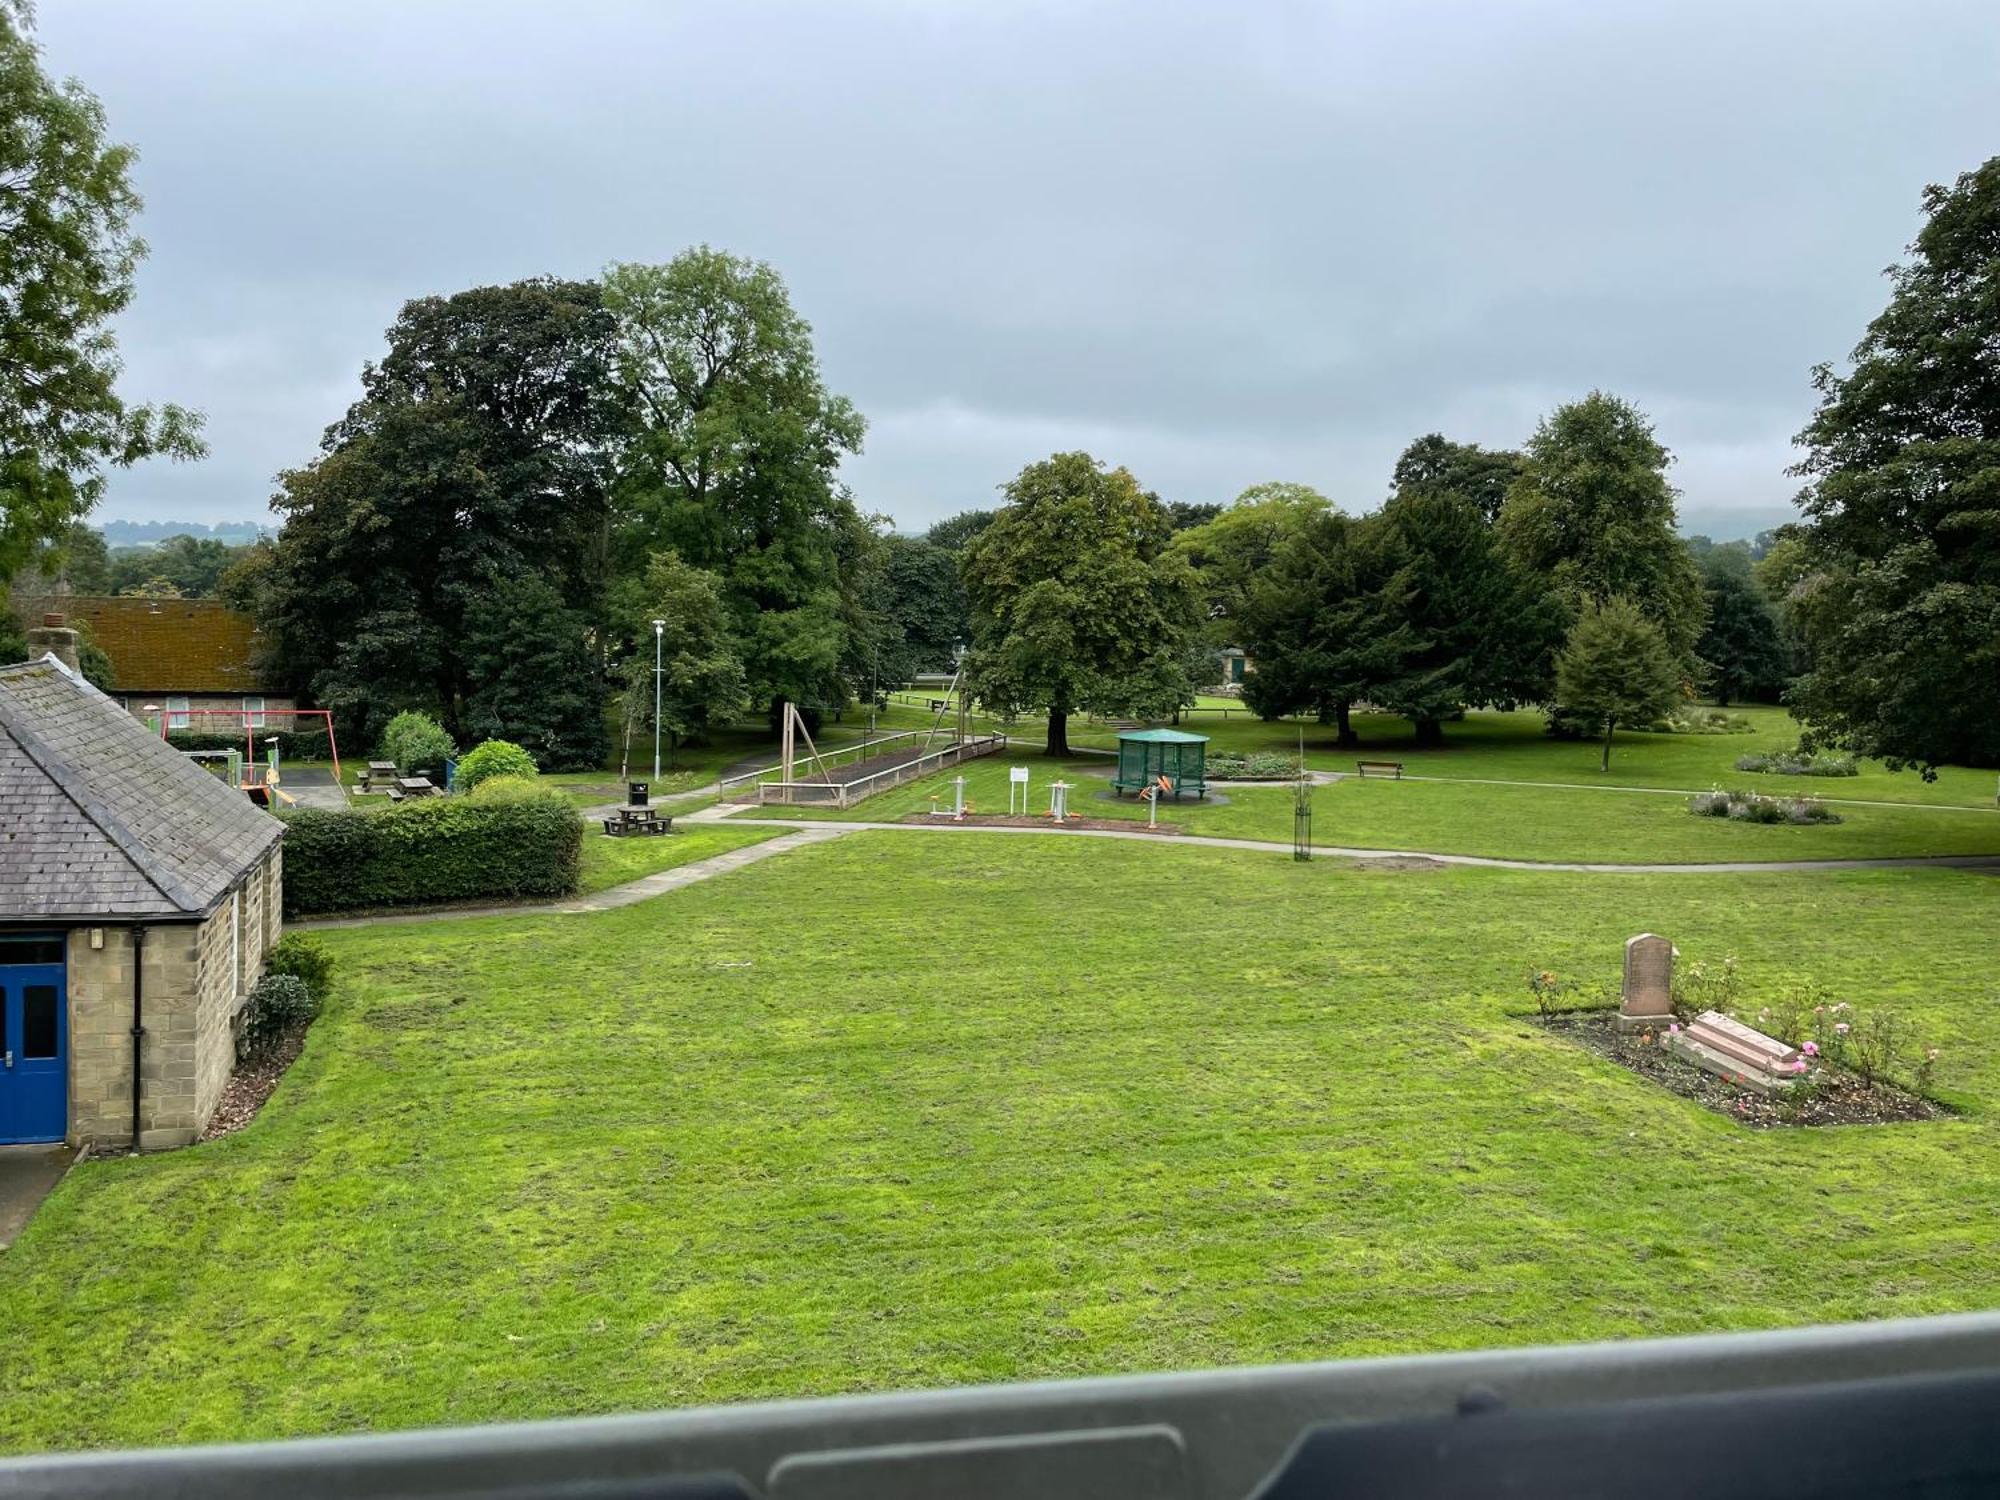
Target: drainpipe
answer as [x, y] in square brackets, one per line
[138, 1022]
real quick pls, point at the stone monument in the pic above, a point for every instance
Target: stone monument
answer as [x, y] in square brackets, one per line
[1646, 1002]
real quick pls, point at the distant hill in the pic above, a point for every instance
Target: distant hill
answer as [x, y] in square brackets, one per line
[152, 533]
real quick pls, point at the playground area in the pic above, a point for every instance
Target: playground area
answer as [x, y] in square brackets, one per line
[840, 779]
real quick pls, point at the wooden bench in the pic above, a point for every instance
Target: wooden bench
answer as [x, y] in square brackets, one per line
[379, 776]
[1394, 768]
[627, 821]
[412, 786]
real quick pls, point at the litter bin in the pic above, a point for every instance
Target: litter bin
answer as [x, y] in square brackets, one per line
[637, 793]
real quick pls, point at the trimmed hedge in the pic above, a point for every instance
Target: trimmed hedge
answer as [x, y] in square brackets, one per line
[431, 852]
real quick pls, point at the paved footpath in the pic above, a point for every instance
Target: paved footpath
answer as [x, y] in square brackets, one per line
[721, 813]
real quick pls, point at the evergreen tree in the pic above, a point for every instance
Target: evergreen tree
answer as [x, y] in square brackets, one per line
[1463, 627]
[1742, 648]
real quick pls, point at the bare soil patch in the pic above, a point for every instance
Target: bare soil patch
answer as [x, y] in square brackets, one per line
[1836, 1097]
[252, 1082]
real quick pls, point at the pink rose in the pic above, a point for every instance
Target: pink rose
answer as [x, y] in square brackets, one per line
[1811, 1049]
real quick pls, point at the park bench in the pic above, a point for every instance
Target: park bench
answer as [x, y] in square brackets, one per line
[1364, 768]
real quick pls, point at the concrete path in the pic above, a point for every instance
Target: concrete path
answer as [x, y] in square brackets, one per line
[618, 895]
[28, 1174]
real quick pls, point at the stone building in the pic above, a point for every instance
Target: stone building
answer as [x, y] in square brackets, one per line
[192, 664]
[138, 897]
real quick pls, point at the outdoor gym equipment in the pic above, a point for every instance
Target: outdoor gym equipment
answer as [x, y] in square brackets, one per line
[957, 813]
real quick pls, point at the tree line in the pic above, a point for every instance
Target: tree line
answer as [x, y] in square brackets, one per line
[543, 483]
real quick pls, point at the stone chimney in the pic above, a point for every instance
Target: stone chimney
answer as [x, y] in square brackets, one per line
[53, 638]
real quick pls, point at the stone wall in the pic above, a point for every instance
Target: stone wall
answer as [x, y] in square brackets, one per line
[196, 975]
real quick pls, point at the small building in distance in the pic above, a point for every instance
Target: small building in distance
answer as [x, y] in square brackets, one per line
[187, 664]
[139, 896]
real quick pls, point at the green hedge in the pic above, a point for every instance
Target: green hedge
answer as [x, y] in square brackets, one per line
[431, 852]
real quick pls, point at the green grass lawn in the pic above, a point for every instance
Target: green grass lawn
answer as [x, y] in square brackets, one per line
[901, 1110]
[1465, 817]
[611, 861]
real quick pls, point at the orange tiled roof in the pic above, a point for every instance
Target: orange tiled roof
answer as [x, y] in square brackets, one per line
[164, 645]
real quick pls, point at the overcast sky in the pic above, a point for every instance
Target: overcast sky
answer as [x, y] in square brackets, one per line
[1218, 244]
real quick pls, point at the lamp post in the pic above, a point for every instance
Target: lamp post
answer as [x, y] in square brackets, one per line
[659, 635]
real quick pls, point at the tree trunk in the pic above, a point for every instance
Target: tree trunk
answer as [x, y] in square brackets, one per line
[1058, 732]
[1722, 695]
[1343, 716]
[1429, 731]
[1609, 725]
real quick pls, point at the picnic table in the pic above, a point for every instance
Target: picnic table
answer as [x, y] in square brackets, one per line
[379, 776]
[411, 786]
[629, 820]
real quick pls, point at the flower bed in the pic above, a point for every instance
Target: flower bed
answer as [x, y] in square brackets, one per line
[1798, 763]
[1826, 1095]
[1754, 807]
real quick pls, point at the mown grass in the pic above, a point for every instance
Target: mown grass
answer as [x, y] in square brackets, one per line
[1614, 826]
[906, 1110]
[611, 861]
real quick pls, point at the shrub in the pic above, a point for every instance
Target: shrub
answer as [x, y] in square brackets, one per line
[277, 1003]
[432, 851]
[490, 758]
[1701, 986]
[416, 742]
[1548, 991]
[1798, 763]
[1264, 766]
[507, 789]
[304, 959]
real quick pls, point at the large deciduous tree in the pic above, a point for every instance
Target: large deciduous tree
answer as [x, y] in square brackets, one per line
[732, 459]
[1592, 515]
[1078, 602]
[67, 257]
[536, 677]
[1232, 550]
[1616, 668]
[1899, 598]
[476, 456]
[1433, 464]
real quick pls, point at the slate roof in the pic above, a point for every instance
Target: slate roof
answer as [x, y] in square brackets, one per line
[100, 819]
[164, 645]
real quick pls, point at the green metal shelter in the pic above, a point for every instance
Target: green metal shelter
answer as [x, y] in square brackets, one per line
[1145, 755]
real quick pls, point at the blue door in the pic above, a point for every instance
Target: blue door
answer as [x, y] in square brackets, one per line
[34, 1040]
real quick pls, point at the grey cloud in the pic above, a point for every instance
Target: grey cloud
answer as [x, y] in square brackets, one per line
[1216, 244]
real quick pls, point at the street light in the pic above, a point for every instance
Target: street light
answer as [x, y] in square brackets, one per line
[659, 636]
